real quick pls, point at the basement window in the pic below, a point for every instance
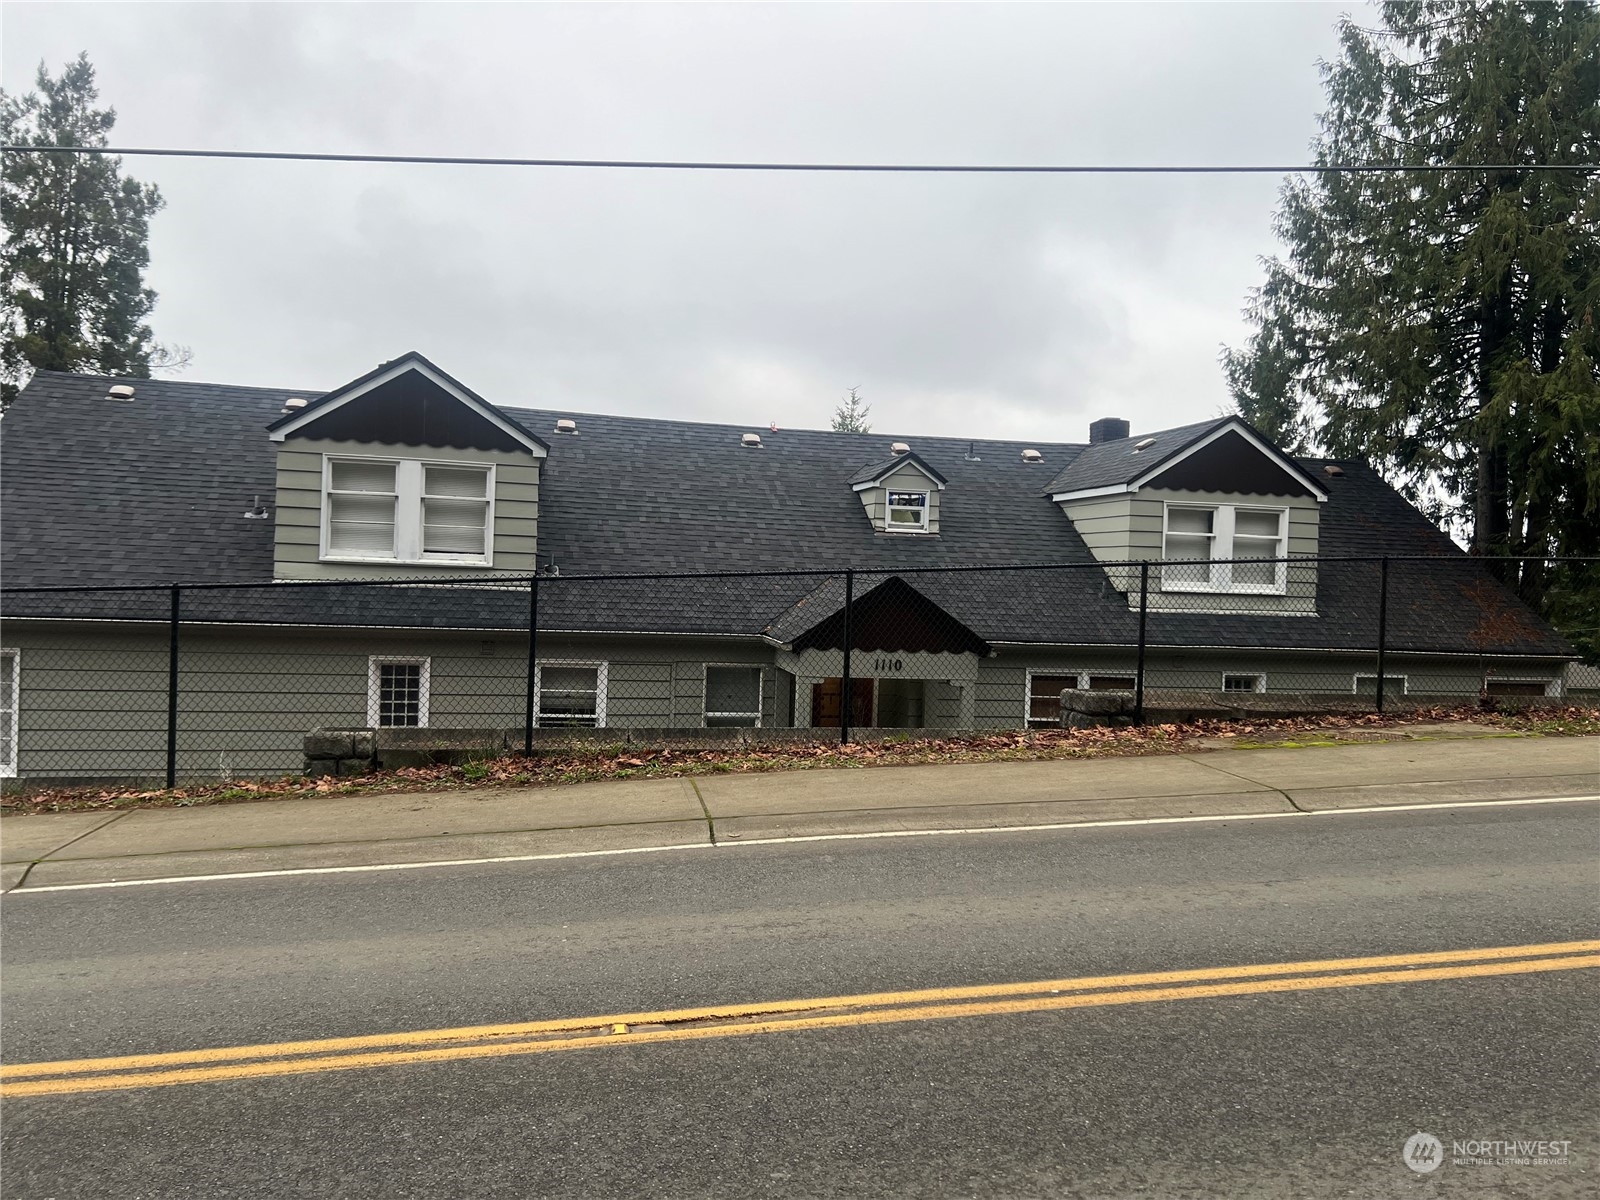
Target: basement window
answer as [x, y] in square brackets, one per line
[397, 692]
[1516, 687]
[907, 512]
[571, 695]
[1244, 683]
[1044, 697]
[733, 697]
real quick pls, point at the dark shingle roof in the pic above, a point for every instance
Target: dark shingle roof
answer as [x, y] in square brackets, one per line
[99, 492]
[1108, 464]
[873, 472]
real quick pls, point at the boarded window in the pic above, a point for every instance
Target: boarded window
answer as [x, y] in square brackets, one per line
[1044, 697]
[570, 695]
[1513, 687]
[1111, 683]
[1393, 685]
[733, 697]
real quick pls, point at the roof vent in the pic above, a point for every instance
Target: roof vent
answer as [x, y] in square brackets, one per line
[899, 448]
[751, 441]
[258, 511]
[119, 391]
[1332, 471]
[1032, 456]
[293, 405]
[972, 452]
[566, 425]
[1143, 444]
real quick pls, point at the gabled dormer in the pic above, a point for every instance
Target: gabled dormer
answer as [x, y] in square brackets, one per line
[404, 472]
[900, 493]
[1216, 500]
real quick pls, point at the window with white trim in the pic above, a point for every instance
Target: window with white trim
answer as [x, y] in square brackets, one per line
[397, 692]
[407, 511]
[733, 697]
[10, 689]
[570, 694]
[1367, 685]
[1244, 683]
[1199, 539]
[907, 512]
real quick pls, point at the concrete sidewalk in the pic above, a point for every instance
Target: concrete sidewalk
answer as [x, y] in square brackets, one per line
[39, 851]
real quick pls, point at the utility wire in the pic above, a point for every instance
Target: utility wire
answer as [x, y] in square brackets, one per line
[452, 160]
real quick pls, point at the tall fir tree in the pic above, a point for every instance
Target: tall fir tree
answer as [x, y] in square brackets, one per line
[72, 291]
[1442, 324]
[851, 415]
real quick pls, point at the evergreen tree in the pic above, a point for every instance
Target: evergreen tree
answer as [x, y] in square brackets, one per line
[1442, 324]
[851, 415]
[72, 293]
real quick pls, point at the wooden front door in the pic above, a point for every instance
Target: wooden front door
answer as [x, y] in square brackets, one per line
[825, 703]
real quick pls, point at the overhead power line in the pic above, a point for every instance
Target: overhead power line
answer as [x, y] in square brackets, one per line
[626, 164]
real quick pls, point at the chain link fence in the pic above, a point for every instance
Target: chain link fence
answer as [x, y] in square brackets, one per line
[214, 682]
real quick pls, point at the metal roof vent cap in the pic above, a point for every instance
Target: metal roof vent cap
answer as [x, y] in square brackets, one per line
[899, 448]
[1032, 456]
[751, 440]
[294, 405]
[119, 391]
[1145, 444]
[1332, 471]
[566, 425]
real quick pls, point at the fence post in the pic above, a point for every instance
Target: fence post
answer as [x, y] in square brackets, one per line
[1138, 674]
[172, 693]
[1383, 621]
[845, 696]
[533, 664]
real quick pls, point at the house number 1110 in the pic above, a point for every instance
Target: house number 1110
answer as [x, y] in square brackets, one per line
[888, 664]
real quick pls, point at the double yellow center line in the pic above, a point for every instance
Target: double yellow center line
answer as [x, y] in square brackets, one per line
[741, 1020]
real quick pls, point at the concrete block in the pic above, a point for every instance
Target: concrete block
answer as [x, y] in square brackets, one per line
[353, 766]
[329, 743]
[318, 767]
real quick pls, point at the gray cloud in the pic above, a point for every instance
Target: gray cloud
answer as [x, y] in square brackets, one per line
[1017, 306]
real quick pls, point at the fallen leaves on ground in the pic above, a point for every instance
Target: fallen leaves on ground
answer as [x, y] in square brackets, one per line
[588, 763]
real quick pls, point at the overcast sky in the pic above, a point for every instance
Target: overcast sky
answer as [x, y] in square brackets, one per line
[1009, 307]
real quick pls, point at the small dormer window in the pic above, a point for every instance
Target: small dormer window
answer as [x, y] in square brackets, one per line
[1201, 539]
[908, 512]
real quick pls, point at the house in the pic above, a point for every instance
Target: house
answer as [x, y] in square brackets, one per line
[685, 575]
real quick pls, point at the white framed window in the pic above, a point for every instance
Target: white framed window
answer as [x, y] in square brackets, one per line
[1199, 539]
[1243, 682]
[397, 692]
[907, 512]
[407, 510]
[10, 693]
[570, 694]
[1367, 685]
[733, 696]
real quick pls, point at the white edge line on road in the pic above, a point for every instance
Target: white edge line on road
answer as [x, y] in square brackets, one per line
[798, 838]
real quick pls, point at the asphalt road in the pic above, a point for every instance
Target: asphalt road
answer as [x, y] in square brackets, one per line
[1302, 1093]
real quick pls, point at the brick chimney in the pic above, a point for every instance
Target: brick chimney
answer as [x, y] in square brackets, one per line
[1107, 429]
